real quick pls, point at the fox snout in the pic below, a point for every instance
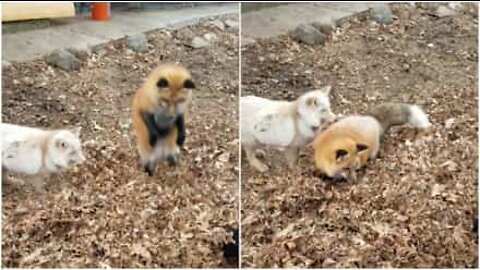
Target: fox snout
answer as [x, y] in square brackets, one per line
[330, 117]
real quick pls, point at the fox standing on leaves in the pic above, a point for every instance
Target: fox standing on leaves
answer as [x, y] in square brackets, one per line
[158, 115]
[348, 144]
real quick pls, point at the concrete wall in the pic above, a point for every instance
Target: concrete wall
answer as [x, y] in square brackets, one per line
[84, 7]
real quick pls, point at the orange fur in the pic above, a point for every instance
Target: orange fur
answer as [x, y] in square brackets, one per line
[346, 135]
[174, 99]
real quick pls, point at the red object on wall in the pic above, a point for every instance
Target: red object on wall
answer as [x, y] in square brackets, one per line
[100, 11]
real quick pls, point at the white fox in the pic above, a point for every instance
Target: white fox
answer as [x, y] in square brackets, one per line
[290, 125]
[34, 151]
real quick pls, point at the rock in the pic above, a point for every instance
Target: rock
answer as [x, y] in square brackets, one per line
[325, 27]
[199, 42]
[6, 64]
[185, 34]
[210, 36]
[308, 34]
[63, 59]
[443, 11]
[80, 54]
[218, 23]
[138, 43]
[428, 6]
[247, 41]
[382, 14]
[231, 24]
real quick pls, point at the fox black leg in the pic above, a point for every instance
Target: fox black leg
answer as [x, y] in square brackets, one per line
[180, 123]
[149, 168]
[149, 120]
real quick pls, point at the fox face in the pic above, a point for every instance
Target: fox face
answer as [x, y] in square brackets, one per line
[172, 89]
[314, 108]
[341, 159]
[65, 148]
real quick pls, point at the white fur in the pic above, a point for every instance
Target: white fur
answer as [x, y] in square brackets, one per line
[418, 117]
[272, 122]
[283, 124]
[33, 151]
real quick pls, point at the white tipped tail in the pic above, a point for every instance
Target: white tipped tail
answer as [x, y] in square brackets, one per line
[418, 117]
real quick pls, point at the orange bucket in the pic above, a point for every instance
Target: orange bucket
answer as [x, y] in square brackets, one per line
[100, 11]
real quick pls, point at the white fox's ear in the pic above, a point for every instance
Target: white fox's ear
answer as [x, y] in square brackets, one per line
[76, 131]
[327, 89]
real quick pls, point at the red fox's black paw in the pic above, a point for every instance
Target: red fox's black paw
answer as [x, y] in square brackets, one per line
[148, 169]
[171, 161]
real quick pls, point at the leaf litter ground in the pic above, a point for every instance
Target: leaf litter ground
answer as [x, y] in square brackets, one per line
[414, 205]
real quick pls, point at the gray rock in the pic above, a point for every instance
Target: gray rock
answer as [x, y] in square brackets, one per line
[80, 54]
[382, 14]
[199, 42]
[210, 36]
[63, 59]
[6, 64]
[247, 41]
[231, 24]
[218, 23]
[427, 6]
[308, 34]
[185, 34]
[138, 43]
[443, 11]
[324, 27]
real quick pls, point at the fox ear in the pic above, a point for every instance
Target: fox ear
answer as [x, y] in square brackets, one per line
[188, 84]
[76, 131]
[361, 147]
[340, 153]
[327, 89]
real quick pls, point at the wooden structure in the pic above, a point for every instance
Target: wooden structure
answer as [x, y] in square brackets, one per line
[20, 11]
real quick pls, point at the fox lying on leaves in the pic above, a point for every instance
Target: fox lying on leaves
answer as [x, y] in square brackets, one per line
[348, 144]
[35, 151]
[158, 115]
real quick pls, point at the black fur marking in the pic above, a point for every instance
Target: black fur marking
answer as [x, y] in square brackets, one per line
[188, 84]
[162, 83]
[340, 153]
[149, 120]
[181, 134]
[149, 169]
[361, 147]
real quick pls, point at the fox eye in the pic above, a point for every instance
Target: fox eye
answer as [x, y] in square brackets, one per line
[62, 144]
[188, 84]
[162, 83]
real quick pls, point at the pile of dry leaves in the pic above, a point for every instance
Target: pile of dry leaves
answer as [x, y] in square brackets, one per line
[413, 207]
[107, 212]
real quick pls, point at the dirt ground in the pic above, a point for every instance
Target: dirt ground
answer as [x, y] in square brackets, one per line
[107, 212]
[413, 207]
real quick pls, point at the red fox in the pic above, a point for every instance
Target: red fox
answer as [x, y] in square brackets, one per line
[348, 144]
[159, 111]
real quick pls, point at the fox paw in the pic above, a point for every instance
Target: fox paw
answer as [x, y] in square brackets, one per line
[172, 156]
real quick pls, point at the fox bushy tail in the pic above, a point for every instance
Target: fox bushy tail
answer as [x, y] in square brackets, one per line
[394, 114]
